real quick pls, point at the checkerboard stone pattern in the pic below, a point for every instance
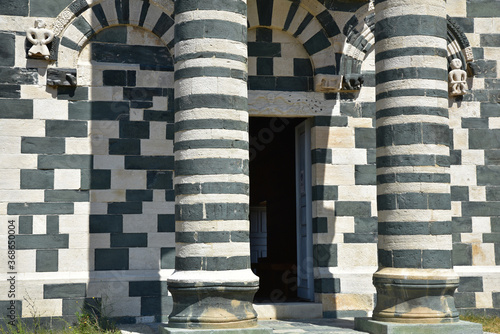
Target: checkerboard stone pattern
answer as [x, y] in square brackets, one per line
[89, 178]
[86, 173]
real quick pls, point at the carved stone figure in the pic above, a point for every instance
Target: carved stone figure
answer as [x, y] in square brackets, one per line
[352, 82]
[457, 78]
[39, 36]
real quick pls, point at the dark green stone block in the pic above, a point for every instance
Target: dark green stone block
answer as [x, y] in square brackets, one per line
[497, 254]
[462, 225]
[129, 240]
[19, 76]
[139, 195]
[168, 258]
[360, 238]
[42, 241]
[320, 225]
[480, 209]
[465, 299]
[6, 306]
[166, 223]
[189, 212]
[460, 193]
[40, 208]
[10, 92]
[45, 8]
[95, 179]
[111, 259]
[25, 224]
[462, 254]
[125, 208]
[325, 193]
[106, 223]
[490, 109]
[327, 285]
[325, 255]
[483, 8]
[52, 226]
[37, 179]
[18, 8]
[65, 161]
[492, 157]
[436, 259]
[407, 258]
[491, 238]
[150, 306]
[365, 138]
[159, 180]
[149, 162]
[117, 34]
[46, 260]
[146, 289]
[21, 109]
[42, 145]
[495, 224]
[98, 110]
[318, 156]
[488, 175]
[336, 121]
[58, 128]
[72, 93]
[354, 208]
[226, 211]
[475, 123]
[470, 284]
[317, 43]
[365, 225]
[56, 291]
[66, 196]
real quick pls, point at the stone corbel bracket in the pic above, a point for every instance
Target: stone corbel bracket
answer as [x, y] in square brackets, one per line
[61, 77]
[327, 83]
[352, 82]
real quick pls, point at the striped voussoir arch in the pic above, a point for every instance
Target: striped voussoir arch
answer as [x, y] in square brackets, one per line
[78, 22]
[360, 40]
[308, 21]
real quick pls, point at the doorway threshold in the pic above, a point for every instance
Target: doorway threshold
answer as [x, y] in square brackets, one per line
[288, 311]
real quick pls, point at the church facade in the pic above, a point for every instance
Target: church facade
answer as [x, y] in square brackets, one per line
[159, 158]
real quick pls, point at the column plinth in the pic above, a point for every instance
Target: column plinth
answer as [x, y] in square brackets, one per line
[415, 295]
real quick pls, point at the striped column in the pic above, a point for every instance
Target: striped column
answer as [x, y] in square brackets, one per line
[415, 281]
[212, 286]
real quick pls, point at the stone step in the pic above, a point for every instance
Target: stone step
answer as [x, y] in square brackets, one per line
[295, 310]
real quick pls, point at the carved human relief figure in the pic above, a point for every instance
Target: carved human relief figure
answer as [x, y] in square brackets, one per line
[39, 36]
[457, 78]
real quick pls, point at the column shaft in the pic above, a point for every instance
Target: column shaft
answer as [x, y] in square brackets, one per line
[415, 281]
[212, 286]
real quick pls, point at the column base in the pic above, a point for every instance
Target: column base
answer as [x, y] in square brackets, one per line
[164, 329]
[379, 327]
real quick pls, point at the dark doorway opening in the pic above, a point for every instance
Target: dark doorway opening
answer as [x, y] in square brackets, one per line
[273, 237]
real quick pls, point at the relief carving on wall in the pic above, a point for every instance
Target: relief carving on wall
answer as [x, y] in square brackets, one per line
[457, 78]
[40, 37]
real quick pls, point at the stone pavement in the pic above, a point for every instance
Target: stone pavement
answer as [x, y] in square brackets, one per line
[308, 326]
[324, 326]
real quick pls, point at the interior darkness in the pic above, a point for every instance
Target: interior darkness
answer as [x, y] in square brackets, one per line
[272, 184]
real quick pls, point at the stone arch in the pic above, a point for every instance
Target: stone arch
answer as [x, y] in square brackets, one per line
[308, 21]
[80, 21]
[360, 40]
